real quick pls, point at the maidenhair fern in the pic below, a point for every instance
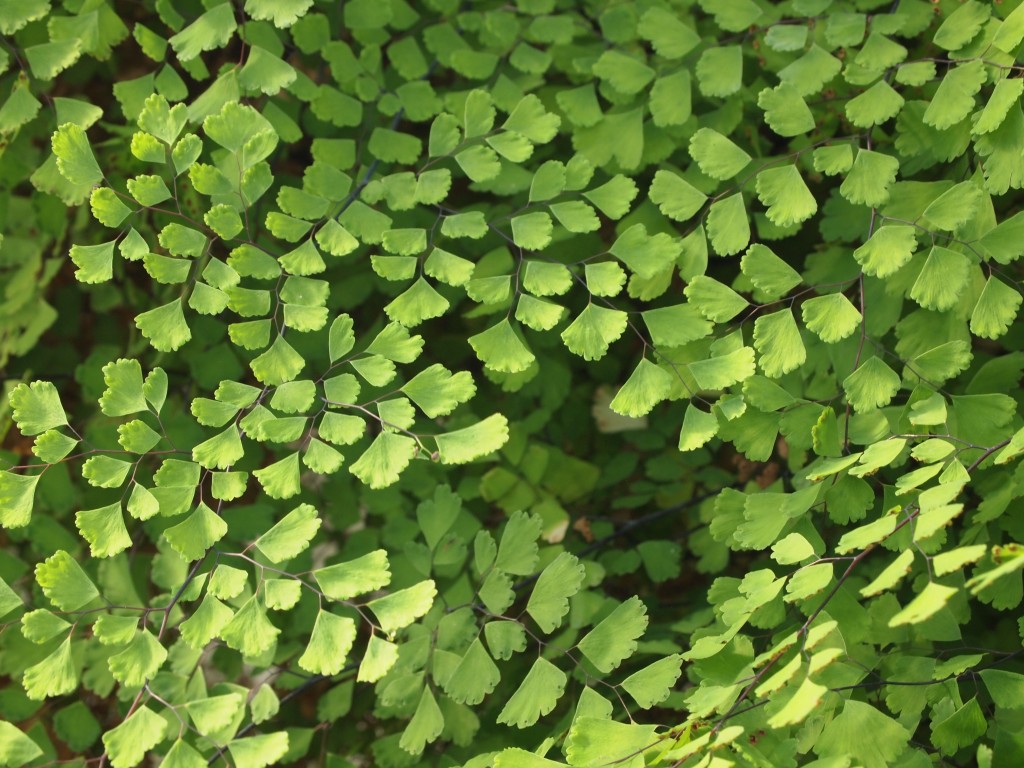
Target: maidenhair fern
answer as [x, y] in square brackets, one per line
[516, 384]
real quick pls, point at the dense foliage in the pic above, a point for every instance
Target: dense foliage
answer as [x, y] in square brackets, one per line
[511, 384]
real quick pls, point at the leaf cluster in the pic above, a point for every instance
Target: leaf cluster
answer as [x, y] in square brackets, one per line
[511, 384]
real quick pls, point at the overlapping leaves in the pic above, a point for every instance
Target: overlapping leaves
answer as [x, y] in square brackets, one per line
[781, 233]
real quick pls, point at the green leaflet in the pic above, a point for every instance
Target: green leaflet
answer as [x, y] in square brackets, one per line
[651, 685]
[9, 599]
[721, 371]
[716, 155]
[165, 326]
[786, 196]
[544, 279]
[380, 656]
[220, 451]
[803, 701]
[124, 388]
[280, 480]
[211, 30]
[537, 314]
[47, 60]
[559, 581]
[382, 463]
[249, 631]
[501, 349]
[858, 718]
[105, 471]
[517, 550]
[346, 580]
[399, 609]
[17, 748]
[139, 661]
[505, 638]
[1002, 686]
[128, 743]
[532, 231]
[785, 110]
[612, 641]
[647, 386]
[996, 309]
[52, 446]
[720, 71]
[932, 599]
[280, 363]
[728, 225]
[876, 105]
[36, 407]
[107, 209]
[205, 623]
[396, 414]
[214, 713]
[676, 198]
[425, 726]
[833, 160]
[75, 159]
[264, 705]
[17, 15]
[604, 278]
[831, 317]
[496, 592]
[291, 535]
[395, 343]
[954, 207]
[870, 178]
[644, 255]
[264, 72]
[777, 339]
[941, 280]
[437, 391]
[576, 216]
[1010, 33]
[872, 385]
[768, 272]
[137, 437]
[513, 757]
[420, 302]
[464, 445]
[961, 25]
[887, 250]
[148, 190]
[1004, 97]
[64, 582]
[197, 533]
[227, 582]
[668, 34]
[593, 331]
[104, 528]
[55, 675]
[536, 695]
[529, 118]
[940, 363]
[475, 676]
[698, 428]
[282, 14]
[623, 72]
[593, 740]
[954, 98]
[329, 644]
[436, 516]
[614, 197]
